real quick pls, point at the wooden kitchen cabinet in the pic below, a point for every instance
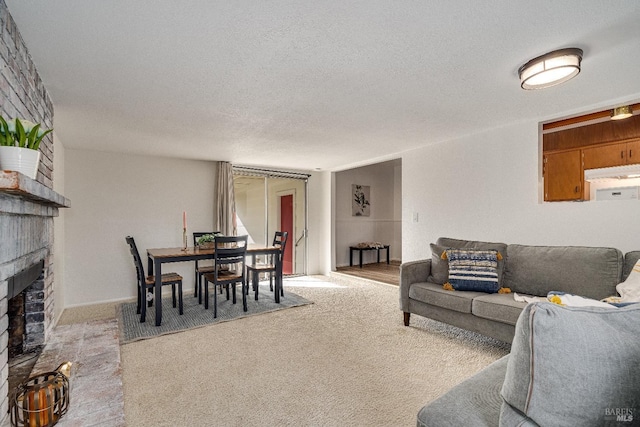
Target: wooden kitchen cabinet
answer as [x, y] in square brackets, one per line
[571, 146]
[633, 152]
[564, 176]
[618, 154]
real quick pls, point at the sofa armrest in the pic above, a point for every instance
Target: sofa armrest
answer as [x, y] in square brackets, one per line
[412, 272]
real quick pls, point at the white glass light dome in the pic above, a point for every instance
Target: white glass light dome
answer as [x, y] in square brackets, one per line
[550, 69]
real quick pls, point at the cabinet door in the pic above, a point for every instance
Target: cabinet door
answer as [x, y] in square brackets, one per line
[633, 152]
[606, 156]
[563, 176]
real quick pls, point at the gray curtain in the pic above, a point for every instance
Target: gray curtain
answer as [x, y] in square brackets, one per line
[226, 201]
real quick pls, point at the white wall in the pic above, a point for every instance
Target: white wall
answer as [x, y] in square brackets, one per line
[384, 223]
[114, 195]
[58, 230]
[320, 211]
[486, 187]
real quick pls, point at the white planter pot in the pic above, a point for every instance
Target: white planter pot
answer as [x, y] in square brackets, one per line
[23, 160]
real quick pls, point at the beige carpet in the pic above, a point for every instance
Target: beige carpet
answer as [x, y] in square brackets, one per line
[345, 360]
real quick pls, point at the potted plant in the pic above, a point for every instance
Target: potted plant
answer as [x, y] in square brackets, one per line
[19, 143]
[206, 240]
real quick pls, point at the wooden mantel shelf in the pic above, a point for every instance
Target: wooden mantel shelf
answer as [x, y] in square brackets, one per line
[21, 185]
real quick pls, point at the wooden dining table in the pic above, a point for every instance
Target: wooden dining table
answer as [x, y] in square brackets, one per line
[158, 256]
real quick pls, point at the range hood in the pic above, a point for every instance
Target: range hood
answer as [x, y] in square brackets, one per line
[614, 172]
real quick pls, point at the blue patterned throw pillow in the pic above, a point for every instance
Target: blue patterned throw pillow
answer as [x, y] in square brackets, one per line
[473, 270]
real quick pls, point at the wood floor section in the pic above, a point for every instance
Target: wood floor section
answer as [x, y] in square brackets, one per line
[380, 272]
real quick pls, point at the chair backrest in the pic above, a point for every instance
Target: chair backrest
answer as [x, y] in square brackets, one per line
[136, 259]
[230, 250]
[280, 239]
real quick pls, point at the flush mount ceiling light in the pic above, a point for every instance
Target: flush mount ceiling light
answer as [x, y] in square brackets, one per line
[550, 69]
[620, 113]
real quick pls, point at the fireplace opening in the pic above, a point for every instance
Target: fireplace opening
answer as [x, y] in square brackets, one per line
[26, 329]
[16, 325]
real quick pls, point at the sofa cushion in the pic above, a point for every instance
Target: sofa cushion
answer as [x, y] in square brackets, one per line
[588, 271]
[499, 307]
[433, 294]
[573, 366]
[441, 272]
[629, 290]
[474, 402]
[630, 260]
[473, 270]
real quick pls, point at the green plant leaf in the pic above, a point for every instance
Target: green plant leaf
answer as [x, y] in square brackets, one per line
[31, 136]
[36, 143]
[21, 134]
[5, 136]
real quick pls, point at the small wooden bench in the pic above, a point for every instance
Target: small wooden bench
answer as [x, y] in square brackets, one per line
[356, 248]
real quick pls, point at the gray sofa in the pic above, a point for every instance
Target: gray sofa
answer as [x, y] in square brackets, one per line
[569, 366]
[591, 272]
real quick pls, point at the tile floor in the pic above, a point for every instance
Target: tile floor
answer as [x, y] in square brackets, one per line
[96, 397]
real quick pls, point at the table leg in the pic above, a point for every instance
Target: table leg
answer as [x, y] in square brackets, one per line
[387, 255]
[144, 291]
[378, 250]
[350, 257]
[255, 282]
[360, 258]
[158, 291]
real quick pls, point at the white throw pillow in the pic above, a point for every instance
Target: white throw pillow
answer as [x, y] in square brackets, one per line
[629, 290]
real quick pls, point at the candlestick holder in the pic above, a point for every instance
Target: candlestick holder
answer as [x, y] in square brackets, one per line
[184, 239]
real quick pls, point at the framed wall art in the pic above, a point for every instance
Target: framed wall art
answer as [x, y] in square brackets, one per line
[360, 205]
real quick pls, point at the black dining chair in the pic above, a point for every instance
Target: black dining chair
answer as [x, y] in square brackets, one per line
[148, 282]
[201, 267]
[272, 266]
[229, 269]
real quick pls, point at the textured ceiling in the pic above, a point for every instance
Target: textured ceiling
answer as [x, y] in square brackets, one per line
[309, 85]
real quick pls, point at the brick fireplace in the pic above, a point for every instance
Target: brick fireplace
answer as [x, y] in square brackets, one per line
[27, 209]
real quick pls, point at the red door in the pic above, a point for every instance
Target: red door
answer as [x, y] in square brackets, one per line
[286, 224]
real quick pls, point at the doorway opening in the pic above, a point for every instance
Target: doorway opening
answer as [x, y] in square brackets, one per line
[268, 201]
[381, 224]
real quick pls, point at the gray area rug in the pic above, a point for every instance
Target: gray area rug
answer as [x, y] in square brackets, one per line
[195, 315]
